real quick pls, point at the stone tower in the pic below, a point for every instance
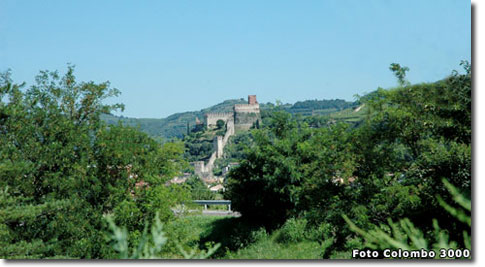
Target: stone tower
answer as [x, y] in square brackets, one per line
[252, 100]
[246, 115]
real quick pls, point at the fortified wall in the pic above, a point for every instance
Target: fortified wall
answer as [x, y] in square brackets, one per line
[246, 115]
[212, 118]
[243, 117]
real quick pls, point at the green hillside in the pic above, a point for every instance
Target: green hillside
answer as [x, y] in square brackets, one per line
[175, 125]
[319, 107]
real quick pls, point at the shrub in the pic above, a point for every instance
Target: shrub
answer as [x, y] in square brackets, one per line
[151, 244]
[292, 231]
[405, 235]
[258, 235]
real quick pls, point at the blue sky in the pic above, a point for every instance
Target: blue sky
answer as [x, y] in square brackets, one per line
[174, 56]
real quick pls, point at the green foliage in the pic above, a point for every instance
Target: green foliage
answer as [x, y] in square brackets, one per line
[388, 166]
[199, 145]
[272, 172]
[184, 232]
[271, 250]
[400, 73]
[198, 189]
[175, 125]
[383, 164]
[405, 235]
[292, 231]
[319, 107]
[232, 233]
[220, 124]
[64, 169]
[234, 151]
[150, 245]
[465, 203]
[256, 194]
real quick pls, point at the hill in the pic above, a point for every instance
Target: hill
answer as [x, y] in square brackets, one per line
[175, 125]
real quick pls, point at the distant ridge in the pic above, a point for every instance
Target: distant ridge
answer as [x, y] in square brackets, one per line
[175, 125]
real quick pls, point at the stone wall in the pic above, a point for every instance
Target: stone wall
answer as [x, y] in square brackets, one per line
[218, 146]
[246, 108]
[230, 131]
[212, 118]
[245, 116]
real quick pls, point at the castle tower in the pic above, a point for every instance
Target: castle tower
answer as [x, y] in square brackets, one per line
[252, 100]
[246, 115]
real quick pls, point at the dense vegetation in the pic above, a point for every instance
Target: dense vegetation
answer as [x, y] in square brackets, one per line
[391, 166]
[63, 170]
[319, 107]
[315, 180]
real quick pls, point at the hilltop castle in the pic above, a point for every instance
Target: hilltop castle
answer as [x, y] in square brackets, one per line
[243, 117]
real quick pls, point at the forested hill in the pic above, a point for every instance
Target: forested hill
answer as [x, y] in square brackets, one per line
[175, 125]
[320, 107]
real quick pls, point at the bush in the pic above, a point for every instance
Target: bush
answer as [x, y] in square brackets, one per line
[151, 243]
[293, 231]
[405, 235]
[322, 232]
[258, 235]
[220, 124]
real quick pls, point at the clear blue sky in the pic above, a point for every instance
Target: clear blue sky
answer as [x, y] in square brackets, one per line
[174, 56]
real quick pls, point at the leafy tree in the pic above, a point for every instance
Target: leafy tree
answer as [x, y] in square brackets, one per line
[62, 168]
[390, 166]
[400, 73]
[404, 235]
[220, 124]
[198, 189]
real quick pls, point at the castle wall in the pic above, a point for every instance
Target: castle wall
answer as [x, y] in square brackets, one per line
[210, 163]
[248, 108]
[218, 146]
[212, 118]
[229, 132]
[245, 115]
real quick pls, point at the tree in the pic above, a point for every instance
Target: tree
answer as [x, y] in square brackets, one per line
[45, 147]
[404, 235]
[62, 168]
[388, 167]
[220, 124]
[400, 73]
[198, 189]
